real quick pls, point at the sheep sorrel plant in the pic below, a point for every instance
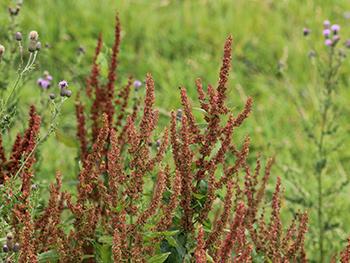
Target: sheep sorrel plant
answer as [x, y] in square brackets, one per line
[190, 196]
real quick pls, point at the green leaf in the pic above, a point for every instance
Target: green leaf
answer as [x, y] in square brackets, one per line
[171, 240]
[159, 258]
[48, 256]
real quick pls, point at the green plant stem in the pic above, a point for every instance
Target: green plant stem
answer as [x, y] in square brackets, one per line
[30, 63]
[322, 156]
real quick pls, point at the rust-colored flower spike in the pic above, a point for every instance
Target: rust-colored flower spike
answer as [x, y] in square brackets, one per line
[24, 146]
[88, 177]
[155, 202]
[117, 247]
[112, 71]
[47, 225]
[122, 101]
[275, 226]
[92, 82]
[345, 254]
[81, 130]
[168, 211]
[200, 253]
[222, 221]
[245, 113]
[194, 130]
[150, 116]
[225, 248]
[296, 250]
[224, 73]
[184, 166]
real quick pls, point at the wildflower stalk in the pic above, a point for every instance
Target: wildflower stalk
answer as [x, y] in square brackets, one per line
[322, 153]
[30, 63]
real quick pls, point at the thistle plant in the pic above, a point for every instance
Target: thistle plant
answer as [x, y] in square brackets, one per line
[323, 129]
[17, 59]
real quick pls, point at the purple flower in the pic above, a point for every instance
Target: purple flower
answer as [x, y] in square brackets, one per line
[326, 32]
[328, 42]
[137, 84]
[335, 28]
[43, 83]
[326, 24]
[306, 31]
[63, 84]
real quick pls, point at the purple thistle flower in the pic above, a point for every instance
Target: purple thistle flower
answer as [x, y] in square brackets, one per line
[335, 28]
[137, 84]
[326, 33]
[45, 84]
[326, 24]
[328, 42]
[63, 84]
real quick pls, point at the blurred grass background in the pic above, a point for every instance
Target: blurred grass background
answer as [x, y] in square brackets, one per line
[178, 41]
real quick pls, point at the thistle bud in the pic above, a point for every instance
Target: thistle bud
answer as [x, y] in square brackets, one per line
[68, 93]
[18, 36]
[2, 50]
[306, 31]
[32, 46]
[33, 35]
[38, 46]
[9, 241]
[5, 248]
[9, 236]
[16, 247]
[14, 11]
[52, 96]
